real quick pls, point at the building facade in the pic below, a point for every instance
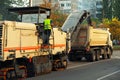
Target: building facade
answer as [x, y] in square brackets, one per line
[66, 6]
[99, 9]
[74, 4]
[88, 5]
[36, 2]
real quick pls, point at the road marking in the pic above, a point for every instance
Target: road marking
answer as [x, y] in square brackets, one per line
[108, 75]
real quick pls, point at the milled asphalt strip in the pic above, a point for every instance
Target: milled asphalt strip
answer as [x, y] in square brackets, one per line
[108, 75]
[72, 67]
[116, 57]
[80, 65]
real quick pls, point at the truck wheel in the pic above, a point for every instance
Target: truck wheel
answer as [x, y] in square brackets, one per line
[97, 56]
[109, 56]
[93, 56]
[109, 53]
[104, 56]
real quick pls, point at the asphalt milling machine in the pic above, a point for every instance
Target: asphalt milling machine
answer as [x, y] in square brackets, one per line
[22, 53]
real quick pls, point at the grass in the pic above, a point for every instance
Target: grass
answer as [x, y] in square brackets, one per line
[116, 47]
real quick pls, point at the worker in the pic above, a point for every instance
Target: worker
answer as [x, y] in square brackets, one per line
[47, 30]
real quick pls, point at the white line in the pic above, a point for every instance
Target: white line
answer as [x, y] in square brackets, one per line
[108, 75]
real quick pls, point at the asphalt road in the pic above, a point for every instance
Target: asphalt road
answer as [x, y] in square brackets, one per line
[100, 70]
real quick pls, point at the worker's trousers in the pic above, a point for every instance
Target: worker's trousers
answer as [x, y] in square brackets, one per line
[46, 36]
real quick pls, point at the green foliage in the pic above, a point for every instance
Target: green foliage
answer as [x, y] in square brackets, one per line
[58, 18]
[116, 47]
[95, 21]
[19, 3]
[111, 8]
[5, 4]
[116, 9]
[114, 26]
[107, 9]
[0, 17]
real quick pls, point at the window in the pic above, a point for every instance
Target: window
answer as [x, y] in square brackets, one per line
[68, 4]
[62, 5]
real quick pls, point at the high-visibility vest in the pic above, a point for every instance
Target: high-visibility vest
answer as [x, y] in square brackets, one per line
[47, 24]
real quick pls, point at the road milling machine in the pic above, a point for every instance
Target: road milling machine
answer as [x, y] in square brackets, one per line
[85, 40]
[22, 53]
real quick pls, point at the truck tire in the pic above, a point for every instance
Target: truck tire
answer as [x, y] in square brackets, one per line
[92, 56]
[97, 55]
[109, 53]
[104, 56]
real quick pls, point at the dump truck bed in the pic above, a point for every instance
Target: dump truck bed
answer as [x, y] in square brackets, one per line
[82, 34]
[89, 36]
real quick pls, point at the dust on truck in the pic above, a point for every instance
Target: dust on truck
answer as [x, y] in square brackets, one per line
[85, 40]
[22, 53]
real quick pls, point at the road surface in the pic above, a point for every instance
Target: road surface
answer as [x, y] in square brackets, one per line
[100, 70]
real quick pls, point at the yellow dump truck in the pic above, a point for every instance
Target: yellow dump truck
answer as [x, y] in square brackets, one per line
[22, 53]
[86, 41]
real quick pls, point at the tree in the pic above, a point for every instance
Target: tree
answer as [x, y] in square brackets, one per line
[5, 4]
[111, 8]
[116, 8]
[20, 3]
[107, 9]
[114, 26]
[57, 17]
